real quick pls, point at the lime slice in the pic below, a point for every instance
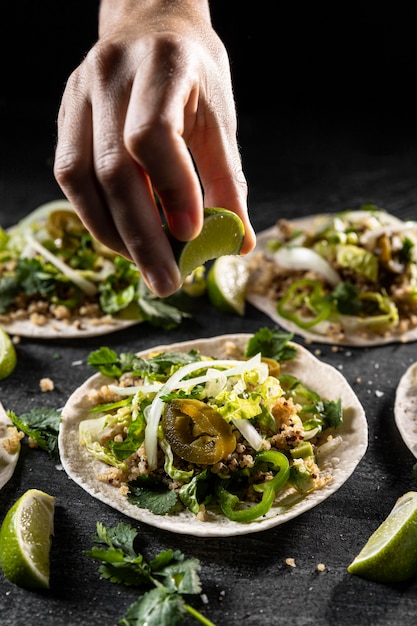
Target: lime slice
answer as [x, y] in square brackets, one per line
[390, 554]
[226, 284]
[222, 233]
[8, 356]
[25, 540]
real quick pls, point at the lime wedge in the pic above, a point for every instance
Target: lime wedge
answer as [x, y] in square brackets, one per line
[25, 540]
[8, 356]
[390, 554]
[222, 233]
[226, 284]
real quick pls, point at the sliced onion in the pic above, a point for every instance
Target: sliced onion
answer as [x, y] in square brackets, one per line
[107, 269]
[300, 258]
[249, 432]
[85, 285]
[329, 446]
[130, 391]
[408, 228]
[309, 434]
[155, 409]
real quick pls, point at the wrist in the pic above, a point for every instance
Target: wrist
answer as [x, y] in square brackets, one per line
[114, 14]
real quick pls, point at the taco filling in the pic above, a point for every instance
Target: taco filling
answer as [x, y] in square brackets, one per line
[184, 430]
[349, 277]
[55, 278]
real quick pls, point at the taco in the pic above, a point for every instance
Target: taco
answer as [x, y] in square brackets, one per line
[347, 278]
[56, 280]
[208, 437]
[405, 408]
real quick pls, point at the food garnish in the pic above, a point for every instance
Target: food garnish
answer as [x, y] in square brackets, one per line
[26, 538]
[184, 430]
[169, 575]
[344, 278]
[56, 279]
[390, 554]
[41, 426]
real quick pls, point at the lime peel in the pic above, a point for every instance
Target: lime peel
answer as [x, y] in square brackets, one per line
[226, 284]
[25, 540]
[222, 233]
[8, 357]
[390, 554]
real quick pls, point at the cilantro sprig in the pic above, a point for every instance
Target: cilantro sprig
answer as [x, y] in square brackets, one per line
[42, 426]
[109, 363]
[170, 575]
[271, 343]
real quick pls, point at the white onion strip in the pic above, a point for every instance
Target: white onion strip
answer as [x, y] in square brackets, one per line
[300, 258]
[249, 432]
[155, 409]
[85, 285]
[130, 391]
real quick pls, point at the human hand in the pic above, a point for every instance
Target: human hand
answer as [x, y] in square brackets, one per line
[150, 113]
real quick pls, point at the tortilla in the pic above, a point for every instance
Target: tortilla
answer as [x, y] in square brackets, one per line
[321, 377]
[405, 408]
[32, 312]
[9, 447]
[262, 300]
[77, 328]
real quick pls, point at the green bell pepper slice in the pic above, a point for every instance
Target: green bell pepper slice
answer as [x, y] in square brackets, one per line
[305, 293]
[230, 503]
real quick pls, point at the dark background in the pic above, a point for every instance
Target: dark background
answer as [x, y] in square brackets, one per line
[326, 122]
[284, 56]
[309, 75]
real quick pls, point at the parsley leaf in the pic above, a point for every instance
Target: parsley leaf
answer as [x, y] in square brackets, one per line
[170, 573]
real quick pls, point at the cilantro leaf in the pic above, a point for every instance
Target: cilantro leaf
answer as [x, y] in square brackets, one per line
[9, 288]
[160, 313]
[345, 297]
[170, 574]
[331, 412]
[155, 608]
[271, 344]
[176, 572]
[148, 492]
[106, 361]
[41, 425]
[111, 364]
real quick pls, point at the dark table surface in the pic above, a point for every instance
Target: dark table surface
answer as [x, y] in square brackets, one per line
[295, 166]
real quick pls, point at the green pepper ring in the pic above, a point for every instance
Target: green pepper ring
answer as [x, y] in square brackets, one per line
[315, 301]
[229, 502]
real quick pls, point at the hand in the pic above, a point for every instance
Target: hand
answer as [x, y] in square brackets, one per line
[150, 113]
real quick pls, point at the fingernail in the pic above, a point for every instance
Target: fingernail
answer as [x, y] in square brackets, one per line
[162, 282]
[181, 226]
